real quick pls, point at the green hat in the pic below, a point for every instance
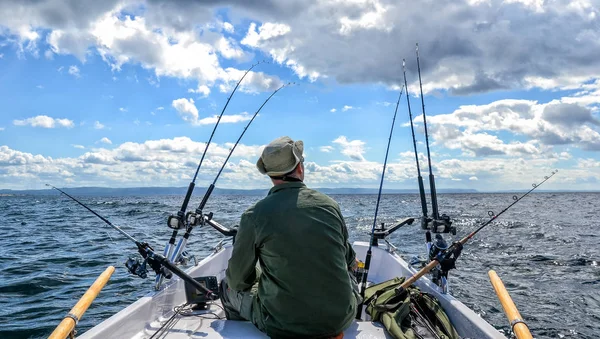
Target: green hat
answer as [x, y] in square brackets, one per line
[280, 157]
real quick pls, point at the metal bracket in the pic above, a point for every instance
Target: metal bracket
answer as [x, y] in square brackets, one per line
[516, 321]
[218, 247]
[391, 248]
[72, 316]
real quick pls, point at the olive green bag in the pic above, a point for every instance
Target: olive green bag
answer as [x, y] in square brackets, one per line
[409, 315]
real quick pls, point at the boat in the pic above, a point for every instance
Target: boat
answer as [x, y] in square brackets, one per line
[163, 314]
[176, 307]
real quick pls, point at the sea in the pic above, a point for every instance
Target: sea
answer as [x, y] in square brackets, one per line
[545, 249]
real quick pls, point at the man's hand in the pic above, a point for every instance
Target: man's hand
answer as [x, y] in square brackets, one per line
[354, 266]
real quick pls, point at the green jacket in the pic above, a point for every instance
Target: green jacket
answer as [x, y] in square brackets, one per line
[300, 238]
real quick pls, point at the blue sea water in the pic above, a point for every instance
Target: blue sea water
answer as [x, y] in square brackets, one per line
[545, 249]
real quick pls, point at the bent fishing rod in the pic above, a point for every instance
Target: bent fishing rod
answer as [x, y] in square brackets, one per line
[449, 256]
[434, 205]
[369, 251]
[177, 221]
[412, 129]
[157, 262]
[198, 218]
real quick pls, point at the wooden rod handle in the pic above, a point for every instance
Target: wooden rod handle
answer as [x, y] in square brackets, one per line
[419, 274]
[67, 325]
[514, 317]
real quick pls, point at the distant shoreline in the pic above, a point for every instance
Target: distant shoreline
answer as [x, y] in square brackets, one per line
[143, 191]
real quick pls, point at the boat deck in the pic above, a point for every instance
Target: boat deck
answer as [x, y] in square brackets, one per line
[146, 316]
[211, 323]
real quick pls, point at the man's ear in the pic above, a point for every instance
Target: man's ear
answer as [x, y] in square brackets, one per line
[300, 168]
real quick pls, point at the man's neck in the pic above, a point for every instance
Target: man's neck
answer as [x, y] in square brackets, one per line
[289, 179]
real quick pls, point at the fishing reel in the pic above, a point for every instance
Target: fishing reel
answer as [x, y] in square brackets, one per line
[438, 249]
[191, 219]
[176, 221]
[197, 218]
[150, 258]
[136, 267]
[442, 224]
[439, 245]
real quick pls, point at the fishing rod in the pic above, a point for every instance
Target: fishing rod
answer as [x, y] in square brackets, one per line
[157, 262]
[369, 253]
[177, 221]
[434, 205]
[420, 178]
[447, 258]
[197, 217]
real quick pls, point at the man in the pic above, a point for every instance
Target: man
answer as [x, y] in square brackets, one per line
[304, 287]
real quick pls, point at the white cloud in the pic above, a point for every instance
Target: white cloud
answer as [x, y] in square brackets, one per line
[229, 49]
[370, 19]
[189, 113]
[346, 108]
[326, 149]
[227, 27]
[98, 125]
[333, 110]
[44, 121]
[79, 146]
[2, 128]
[157, 163]
[74, 71]
[234, 118]
[186, 109]
[163, 38]
[559, 122]
[39, 87]
[252, 83]
[106, 140]
[122, 109]
[473, 178]
[202, 89]
[469, 58]
[180, 54]
[266, 31]
[160, 108]
[351, 148]
[1, 55]
[151, 163]
[73, 42]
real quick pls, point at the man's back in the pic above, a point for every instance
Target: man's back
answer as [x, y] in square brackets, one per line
[301, 241]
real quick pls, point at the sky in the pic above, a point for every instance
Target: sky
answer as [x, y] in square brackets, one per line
[127, 93]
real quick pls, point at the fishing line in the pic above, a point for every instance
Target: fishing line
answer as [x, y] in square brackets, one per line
[198, 217]
[434, 205]
[176, 221]
[412, 129]
[515, 198]
[157, 262]
[368, 258]
[448, 256]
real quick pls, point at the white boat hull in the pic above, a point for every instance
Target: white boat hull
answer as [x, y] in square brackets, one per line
[144, 317]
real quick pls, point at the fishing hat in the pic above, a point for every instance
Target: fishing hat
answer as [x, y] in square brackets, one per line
[280, 157]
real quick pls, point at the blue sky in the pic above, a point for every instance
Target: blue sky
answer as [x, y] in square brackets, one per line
[121, 93]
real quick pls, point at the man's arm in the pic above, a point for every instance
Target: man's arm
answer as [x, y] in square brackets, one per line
[350, 253]
[241, 271]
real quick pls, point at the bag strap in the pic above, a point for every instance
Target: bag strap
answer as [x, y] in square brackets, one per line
[379, 292]
[390, 305]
